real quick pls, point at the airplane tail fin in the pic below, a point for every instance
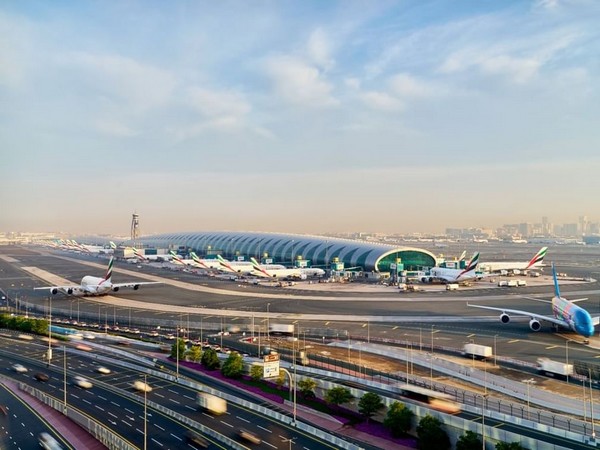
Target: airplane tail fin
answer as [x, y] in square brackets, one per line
[254, 262]
[463, 255]
[473, 262]
[108, 275]
[556, 288]
[538, 258]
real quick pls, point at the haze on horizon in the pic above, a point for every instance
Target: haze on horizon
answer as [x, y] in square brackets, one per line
[304, 117]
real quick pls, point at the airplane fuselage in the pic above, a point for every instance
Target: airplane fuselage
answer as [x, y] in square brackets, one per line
[95, 285]
[578, 319]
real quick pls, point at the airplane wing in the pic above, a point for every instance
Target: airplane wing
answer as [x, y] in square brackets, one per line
[518, 312]
[133, 284]
[69, 290]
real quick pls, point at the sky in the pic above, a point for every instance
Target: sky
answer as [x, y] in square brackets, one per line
[297, 116]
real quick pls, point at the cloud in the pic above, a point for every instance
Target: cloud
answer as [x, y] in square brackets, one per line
[319, 49]
[406, 85]
[114, 128]
[124, 81]
[299, 83]
[217, 103]
[381, 101]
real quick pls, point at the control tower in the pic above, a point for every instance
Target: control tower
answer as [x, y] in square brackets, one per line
[135, 229]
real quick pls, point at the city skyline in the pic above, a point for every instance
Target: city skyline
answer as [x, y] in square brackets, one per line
[300, 117]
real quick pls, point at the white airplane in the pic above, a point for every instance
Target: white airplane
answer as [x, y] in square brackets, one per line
[276, 273]
[565, 313]
[96, 286]
[446, 275]
[269, 272]
[146, 258]
[508, 266]
[234, 267]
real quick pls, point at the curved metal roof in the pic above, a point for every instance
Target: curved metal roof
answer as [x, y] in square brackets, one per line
[284, 248]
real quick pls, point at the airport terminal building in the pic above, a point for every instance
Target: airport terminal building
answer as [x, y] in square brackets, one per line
[318, 251]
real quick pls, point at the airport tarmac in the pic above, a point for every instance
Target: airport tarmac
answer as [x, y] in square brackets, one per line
[356, 309]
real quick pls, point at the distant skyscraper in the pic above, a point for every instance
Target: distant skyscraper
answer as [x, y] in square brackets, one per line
[583, 224]
[135, 228]
[545, 226]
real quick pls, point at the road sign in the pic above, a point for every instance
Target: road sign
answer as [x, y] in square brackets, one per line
[270, 366]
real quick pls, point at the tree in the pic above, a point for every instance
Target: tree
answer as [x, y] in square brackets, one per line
[233, 367]
[369, 404]
[210, 360]
[280, 380]
[431, 435]
[256, 372]
[469, 441]
[194, 354]
[178, 354]
[398, 419]
[338, 395]
[511, 446]
[307, 387]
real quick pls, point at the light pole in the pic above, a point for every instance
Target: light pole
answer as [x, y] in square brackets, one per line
[268, 325]
[567, 358]
[528, 382]
[177, 348]
[65, 377]
[496, 355]
[592, 404]
[145, 411]
[49, 331]
[483, 408]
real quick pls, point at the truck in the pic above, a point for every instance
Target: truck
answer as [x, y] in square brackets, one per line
[281, 328]
[512, 283]
[521, 283]
[555, 369]
[477, 351]
[452, 287]
[211, 403]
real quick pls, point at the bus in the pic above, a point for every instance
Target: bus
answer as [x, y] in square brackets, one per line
[434, 399]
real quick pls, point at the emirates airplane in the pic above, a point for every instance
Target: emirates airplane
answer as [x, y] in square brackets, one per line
[96, 286]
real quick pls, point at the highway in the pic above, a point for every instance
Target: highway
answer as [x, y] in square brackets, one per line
[107, 401]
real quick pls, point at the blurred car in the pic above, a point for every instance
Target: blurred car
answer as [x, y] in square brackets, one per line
[103, 370]
[249, 436]
[83, 383]
[195, 438]
[47, 442]
[40, 376]
[141, 386]
[20, 368]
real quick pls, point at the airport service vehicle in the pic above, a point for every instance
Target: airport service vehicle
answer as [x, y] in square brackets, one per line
[434, 399]
[502, 283]
[211, 403]
[565, 314]
[478, 351]
[95, 285]
[281, 328]
[20, 368]
[552, 368]
[446, 275]
[141, 386]
[249, 436]
[512, 283]
[452, 287]
[83, 383]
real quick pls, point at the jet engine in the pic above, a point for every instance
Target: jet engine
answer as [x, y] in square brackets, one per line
[426, 280]
[504, 318]
[535, 325]
[115, 289]
[70, 291]
[136, 287]
[54, 291]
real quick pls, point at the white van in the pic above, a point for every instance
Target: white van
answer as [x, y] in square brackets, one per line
[452, 287]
